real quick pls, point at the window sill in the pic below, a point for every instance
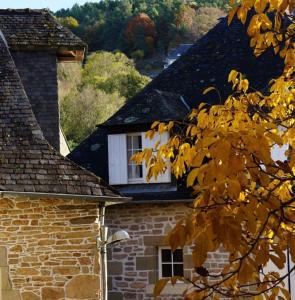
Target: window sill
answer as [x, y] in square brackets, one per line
[170, 289]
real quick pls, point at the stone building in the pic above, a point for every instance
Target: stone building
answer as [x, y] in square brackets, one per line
[49, 206]
[135, 266]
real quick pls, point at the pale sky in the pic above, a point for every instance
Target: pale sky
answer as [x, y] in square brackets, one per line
[54, 5]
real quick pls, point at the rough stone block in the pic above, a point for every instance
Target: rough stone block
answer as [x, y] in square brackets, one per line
[66, 270]
[115, 268]
[83, 287]
[152, 277]
[29, 296]
[4, 273]
[154, 240]
[52, 293]
[116, 296]
[10, 295]
[146, 263]
[3, 257]
[27, 271]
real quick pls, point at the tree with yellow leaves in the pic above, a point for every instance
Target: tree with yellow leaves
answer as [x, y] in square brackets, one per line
[245, 197]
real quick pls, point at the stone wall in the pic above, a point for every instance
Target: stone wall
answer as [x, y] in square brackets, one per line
[133, 265]
[48, 249]
[38, 72]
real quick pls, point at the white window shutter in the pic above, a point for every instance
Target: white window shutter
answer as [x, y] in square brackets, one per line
[147, 143]
[117, 151]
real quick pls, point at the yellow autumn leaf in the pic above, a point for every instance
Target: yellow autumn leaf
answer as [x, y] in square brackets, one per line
[207, 90]
[231, 15]
[279, 262]
[260, 5]
[155, 124]
[232, 76]
[191, 178]
[286, 293]
[199, 253]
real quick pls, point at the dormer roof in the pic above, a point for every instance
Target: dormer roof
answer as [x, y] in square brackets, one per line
[152, 105]
[37, 29]
[28, 164]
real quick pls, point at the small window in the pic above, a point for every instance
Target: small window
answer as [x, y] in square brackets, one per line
[170, 263]
[134, 145]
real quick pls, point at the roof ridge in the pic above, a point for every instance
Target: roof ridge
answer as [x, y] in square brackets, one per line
[24, 10]
[37, 29]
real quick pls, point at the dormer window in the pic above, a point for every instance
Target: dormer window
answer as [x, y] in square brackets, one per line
[121, 147]
[134, 145]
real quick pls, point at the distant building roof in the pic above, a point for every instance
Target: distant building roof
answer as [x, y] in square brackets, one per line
[27, 162]
[28, 29]
[175, 53]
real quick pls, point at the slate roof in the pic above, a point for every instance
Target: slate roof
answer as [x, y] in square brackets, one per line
[27, 162]
[208, 63]
[27, 28]
[150, 106]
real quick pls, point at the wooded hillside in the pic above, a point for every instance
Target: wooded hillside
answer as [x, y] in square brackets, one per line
[146, 25]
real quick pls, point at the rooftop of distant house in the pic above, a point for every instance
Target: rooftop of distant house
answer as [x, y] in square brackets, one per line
[175, 53]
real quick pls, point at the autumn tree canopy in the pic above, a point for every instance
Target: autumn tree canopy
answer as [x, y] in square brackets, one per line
[140, 32]
[245, 201]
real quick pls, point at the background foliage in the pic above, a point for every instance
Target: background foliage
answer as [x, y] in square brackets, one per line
[91, 94]
[147, 25]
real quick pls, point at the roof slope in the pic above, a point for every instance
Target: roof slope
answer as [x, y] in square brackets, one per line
[26, 28]
[150, 106]
[27, 162]
[208, 63]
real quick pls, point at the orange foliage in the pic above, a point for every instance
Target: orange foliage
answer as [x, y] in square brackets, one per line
[140, 22]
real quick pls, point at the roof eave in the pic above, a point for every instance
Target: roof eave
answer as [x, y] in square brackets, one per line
[107, 200]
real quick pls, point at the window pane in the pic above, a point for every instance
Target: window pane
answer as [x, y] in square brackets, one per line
[137, 142]
[134, 171]
[166, 270]
[166, 255]
[178, 270]
[138, 171]
[130, 171]
[129, 154]
[129, 142]
[177, 255]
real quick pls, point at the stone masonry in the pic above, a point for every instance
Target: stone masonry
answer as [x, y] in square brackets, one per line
[48, 249]
[133, 265]
[38, 72]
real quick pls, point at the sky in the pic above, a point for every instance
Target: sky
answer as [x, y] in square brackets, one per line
[53, 5]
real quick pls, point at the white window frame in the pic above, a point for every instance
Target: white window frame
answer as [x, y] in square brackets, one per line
[118, 161]
[139, 179]
[160, 263]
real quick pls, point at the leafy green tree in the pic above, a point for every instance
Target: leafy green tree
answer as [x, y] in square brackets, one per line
[82, 109]
[69, 22]
[113, 72]
[90, 95]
